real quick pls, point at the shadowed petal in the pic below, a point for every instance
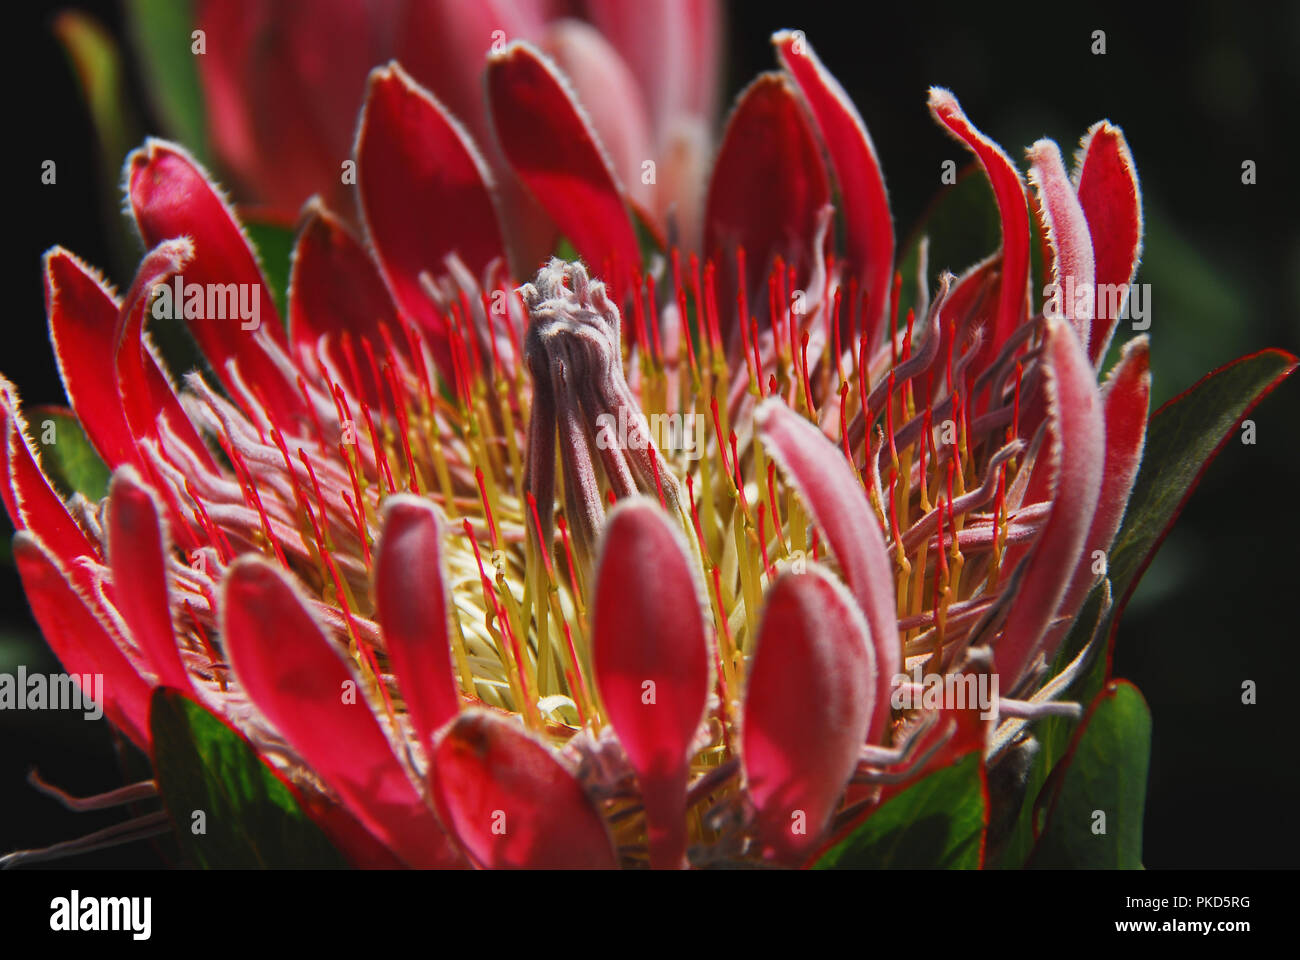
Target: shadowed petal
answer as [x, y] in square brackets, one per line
[1112, 202]
[300, 682]
[80, 638]
[826, 485]
[411, 599]
[137, 553]
[651, 658]
[424, 194]
[555, 153]
[336, 288]
[1067, 235]
[1009, 192]
[1077, 434]
[768, 188]
[868, 225]
[808, 704]
[510, 803]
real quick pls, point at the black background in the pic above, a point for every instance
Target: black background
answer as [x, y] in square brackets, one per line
[1198, 88]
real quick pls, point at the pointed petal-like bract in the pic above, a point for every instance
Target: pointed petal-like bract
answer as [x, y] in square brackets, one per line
[1009, 192]
[137, 554]
[808, 704]
[424, 194]
[83, 322]
[1067, 235]
[768, 188]
[172, 196]
[555, 153]
[31, 501]
[303, 686]
[1077, 434]
[611, 98]
[146, 395]
[1112, 202]
[334, 285]
[651, 658]
[868, 225]
[412, 603]
[80, 639]
[509, 803]
[826, 485]
[335, 288]
[1125, 398]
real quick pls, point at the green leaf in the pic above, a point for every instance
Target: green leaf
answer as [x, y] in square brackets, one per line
[69, 460]
[1094, 816]
[1183, 437]
[251, 818]
[937, 822]
[274, 246]
[161, 31]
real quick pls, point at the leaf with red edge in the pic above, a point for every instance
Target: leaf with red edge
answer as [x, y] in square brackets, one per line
[1013, 208]
[768, 188]
[868, 224]
[652, 662]
[1108, 191]
[510, 803]
[412, 602]
[808, 705]
[829, 489]
[938, 822]
[1104, 771]
[1077, 438]
[302, 684]
[1183, 437]
[80, 637]
[137, 555]
[556, 154]
[172, 196]
[425, 193]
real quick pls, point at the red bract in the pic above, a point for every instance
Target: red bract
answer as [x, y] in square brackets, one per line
[282, 84]
[346, 542]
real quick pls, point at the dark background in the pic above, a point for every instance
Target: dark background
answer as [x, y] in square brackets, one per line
[1198, 88]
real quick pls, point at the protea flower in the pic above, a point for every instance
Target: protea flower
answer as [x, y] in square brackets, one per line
[423, 549]
[283, 81]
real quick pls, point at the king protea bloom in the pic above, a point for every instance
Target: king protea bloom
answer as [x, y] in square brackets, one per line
[421, 545]
[282, 81]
